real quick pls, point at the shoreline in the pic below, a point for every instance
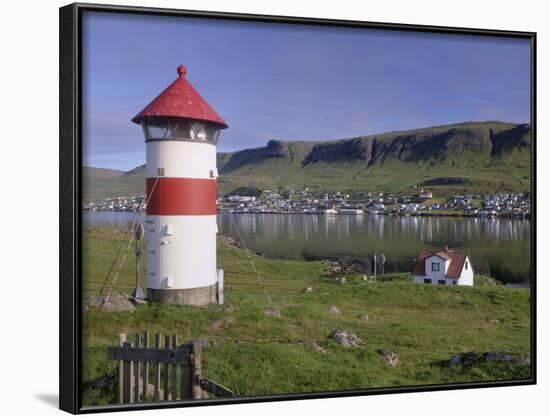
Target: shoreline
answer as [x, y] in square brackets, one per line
[414, 214]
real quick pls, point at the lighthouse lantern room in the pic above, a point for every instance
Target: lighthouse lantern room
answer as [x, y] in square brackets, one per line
[181, 133]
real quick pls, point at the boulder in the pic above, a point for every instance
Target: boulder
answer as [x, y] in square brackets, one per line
[390, 357]
[316, 347]
[506, 357]
[203, 342]
[469, 358]
[94, 301]
[341, 280]
[271, 312]
[307, 290]
[469, 303]
[221, 324]
[494, 321]
[345, 338]
[136, 301]
[363, 318]
[334, 310]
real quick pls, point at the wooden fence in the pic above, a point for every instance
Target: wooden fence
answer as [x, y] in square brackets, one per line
[160, 373]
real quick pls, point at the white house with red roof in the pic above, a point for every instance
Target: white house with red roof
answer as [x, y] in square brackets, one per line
[425, 195]
[446, 267]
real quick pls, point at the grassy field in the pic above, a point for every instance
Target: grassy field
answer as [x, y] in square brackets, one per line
[257, 354]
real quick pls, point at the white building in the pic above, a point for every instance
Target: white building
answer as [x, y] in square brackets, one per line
[425, 195]
[444, 267]
[241, 198]
[350, 211]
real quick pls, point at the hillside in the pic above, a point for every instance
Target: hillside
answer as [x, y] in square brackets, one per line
[100, 183]
[473, 157]
[258, 354]
[484, 157]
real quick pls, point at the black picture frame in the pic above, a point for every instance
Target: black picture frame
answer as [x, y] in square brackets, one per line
[70, 182]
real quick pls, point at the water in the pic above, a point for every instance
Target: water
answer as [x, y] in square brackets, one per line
[497, 247]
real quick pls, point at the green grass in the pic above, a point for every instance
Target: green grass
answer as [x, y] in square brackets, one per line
[259, 355]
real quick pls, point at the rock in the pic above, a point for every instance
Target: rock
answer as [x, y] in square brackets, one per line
[390, 357]
[136, 301]
[470, 358]
[117, 303]
[494, 321]
[222, 324]
[506, 357]
[455, 360]
[271, 312]
[469, 303]
[94, 301]
[203, 342]
[363, 317]
[232, 242]
[341, 280]
[345, 338]
[334, 310]
[307, 290]
[316, 347]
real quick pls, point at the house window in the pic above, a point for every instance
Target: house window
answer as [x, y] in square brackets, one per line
[466, 265]
[435, 266]
[454, 281]
[441, 282]
[427, 281]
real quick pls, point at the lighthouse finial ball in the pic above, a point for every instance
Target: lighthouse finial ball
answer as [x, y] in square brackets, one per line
[182, 71]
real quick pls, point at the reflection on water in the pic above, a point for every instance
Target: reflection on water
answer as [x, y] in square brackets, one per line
[497, 247]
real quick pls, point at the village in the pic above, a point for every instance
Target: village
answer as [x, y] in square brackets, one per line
[304, 201]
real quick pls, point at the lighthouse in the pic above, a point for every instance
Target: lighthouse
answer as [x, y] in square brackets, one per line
[181, 133]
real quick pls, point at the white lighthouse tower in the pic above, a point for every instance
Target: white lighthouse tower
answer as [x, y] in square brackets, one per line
[181, 132]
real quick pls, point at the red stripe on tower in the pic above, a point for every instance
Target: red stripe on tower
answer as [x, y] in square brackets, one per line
[181, 196]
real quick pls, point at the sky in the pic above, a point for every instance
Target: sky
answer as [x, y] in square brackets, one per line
[291, 82]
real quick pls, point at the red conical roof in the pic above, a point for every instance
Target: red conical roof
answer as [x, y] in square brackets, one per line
[181, 99]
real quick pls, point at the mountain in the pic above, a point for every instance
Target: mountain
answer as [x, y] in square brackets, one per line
[101, 183]
[472, 156]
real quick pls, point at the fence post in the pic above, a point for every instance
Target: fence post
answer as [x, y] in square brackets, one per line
[174, 370]
[166, 368]
[156, 393]
[145, 366]
[136, 372]
[197, 365]
[121, 341]
[127, 379]
[187, 374]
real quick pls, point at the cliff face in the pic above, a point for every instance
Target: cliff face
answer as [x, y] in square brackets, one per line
[462, 143]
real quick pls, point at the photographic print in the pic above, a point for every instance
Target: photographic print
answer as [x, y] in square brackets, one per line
[274, 208]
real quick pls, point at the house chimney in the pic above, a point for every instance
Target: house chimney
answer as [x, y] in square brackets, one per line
[446, 248]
